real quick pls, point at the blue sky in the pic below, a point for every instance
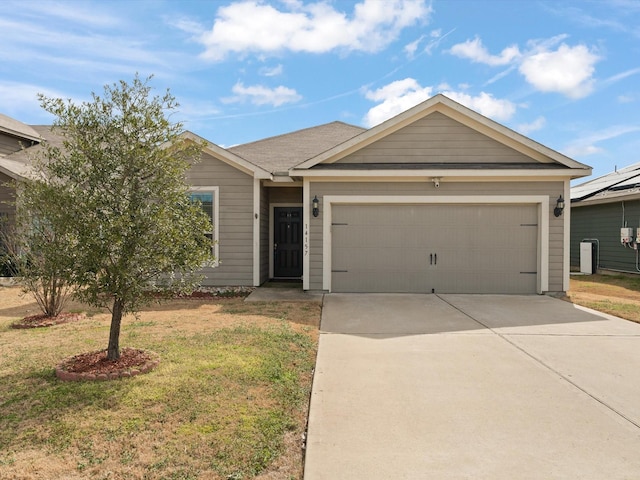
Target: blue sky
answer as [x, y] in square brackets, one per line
[566, 74]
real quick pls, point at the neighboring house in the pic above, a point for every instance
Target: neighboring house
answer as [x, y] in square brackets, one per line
[14, 136]
[601, 208]
[437, 199]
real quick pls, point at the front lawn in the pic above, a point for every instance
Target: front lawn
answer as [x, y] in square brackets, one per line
[228, 401]
[617, 295]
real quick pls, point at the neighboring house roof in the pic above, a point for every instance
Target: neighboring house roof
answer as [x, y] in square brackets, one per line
[17, 165]
[610, 187]
[18, 129]
[279, 154]
[458, 112]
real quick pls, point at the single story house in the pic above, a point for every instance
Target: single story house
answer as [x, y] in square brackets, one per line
[437, 199]
[606, 213]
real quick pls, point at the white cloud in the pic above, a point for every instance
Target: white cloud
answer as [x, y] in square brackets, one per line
[20, 101]
[527, 128]
[261, 95]
[410, 48]
[485, 104]
[625, 99]
[545, 65]
[395, 98]
[251, 26]
[475, 51]
[620, 76]
[186, 24]
[401, 95]
[580, 150]
[271, 71]
[567, 70]
[587, 145]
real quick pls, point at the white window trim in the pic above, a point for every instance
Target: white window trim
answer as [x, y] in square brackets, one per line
[216, 219]
[543, 223]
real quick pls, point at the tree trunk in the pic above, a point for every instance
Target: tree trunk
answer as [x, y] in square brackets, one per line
[113, 351]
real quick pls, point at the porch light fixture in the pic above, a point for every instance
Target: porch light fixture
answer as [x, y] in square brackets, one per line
[316, 203]
[559, 206]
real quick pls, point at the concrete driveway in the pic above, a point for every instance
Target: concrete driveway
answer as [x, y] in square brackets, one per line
[473, 387]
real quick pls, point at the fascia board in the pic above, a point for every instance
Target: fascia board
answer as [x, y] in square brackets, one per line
[22, 135]
[229, 158]
[505, 135]
[606, 199]
[369, 136]
[573, 173]
[16, 170]
[458, 112]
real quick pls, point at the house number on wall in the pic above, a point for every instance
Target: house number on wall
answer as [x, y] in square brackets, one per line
[306, 239]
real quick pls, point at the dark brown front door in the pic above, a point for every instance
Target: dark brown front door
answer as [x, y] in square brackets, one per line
[287, 242]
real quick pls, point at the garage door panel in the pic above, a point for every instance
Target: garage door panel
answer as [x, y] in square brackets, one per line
[380, 236]
[367, 258]
[444, 248]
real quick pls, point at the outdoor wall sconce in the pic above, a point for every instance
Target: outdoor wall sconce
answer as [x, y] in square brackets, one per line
[316, 203]
[559, 206]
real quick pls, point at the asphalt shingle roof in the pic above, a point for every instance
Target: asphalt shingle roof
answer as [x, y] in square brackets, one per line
[280, 153]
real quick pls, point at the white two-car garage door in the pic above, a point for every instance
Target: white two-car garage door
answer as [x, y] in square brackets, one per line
[434, 248]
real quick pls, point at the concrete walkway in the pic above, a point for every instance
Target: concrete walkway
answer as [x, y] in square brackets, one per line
[473, 387]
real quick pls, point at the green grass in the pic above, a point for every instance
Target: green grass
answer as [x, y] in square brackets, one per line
[220, 405]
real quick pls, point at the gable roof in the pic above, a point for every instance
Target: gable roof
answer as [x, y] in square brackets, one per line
[458, 112]
[282, 152]
[18, 129]
[614, 185]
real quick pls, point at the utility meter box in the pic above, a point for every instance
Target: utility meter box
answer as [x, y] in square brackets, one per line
[638, 235]
[626, 235]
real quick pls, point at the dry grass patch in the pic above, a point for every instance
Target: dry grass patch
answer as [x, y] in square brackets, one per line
[228, 401]
[617, 295]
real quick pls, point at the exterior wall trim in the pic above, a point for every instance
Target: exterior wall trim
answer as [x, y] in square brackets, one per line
[306, 258]
[566, 227]
[256, 232]
[543, 222]
[446, 173]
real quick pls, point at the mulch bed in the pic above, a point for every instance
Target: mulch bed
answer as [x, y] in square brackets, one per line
[93, 366]
[42, 320]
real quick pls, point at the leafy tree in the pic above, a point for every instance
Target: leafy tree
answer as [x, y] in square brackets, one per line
[117, 194]
[36, 252]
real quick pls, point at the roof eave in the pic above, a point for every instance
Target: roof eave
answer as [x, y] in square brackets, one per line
[443, 172]
[228, 157]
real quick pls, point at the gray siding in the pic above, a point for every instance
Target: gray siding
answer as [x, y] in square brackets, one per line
[7, 198]
[603, 222]
[455, 189]
[236, 221]
[436, 139]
